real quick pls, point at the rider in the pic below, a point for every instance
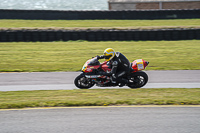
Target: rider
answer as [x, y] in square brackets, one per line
[119, 63]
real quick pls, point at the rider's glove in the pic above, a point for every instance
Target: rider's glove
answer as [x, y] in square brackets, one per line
[100, 57]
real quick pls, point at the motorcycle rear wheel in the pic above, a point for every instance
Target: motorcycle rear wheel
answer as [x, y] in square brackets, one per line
[82, 82]
[138, 80]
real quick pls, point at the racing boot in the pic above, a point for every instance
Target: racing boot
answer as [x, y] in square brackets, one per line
[113, 79]
[123, 82]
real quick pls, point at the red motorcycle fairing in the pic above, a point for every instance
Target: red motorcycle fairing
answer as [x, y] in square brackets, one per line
[90, 68]
[90, 65]
[105, 66]
[93, 64]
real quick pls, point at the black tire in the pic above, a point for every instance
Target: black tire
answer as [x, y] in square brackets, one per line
[82, 82]
[138, 80]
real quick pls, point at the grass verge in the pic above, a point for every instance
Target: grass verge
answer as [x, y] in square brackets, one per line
[96, 97]
[70, 56]
[127, 24]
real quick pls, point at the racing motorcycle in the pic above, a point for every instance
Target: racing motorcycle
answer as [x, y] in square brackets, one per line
[92, 74]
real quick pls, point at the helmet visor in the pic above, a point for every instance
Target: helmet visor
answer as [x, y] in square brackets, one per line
[107, 57]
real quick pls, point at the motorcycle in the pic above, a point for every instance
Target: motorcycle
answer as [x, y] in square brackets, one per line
[92, 74]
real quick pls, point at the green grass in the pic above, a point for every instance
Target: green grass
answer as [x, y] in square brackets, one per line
[70, 56]
[63, 98]
[99, 23]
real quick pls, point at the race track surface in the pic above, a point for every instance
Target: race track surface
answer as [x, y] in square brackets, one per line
[132, 119]
[102, 120]
[64, 80]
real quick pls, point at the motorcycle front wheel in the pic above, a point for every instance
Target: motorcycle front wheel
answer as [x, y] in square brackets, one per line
[138, 79]
[82, 82]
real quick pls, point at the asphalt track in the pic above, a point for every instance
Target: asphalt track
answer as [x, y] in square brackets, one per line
[64, 80]
[129, 119]
[161, 119]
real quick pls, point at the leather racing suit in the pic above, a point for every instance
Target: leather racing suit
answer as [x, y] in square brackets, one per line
[120, 66]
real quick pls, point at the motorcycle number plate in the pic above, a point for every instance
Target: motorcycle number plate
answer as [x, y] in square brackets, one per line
[140, 64]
